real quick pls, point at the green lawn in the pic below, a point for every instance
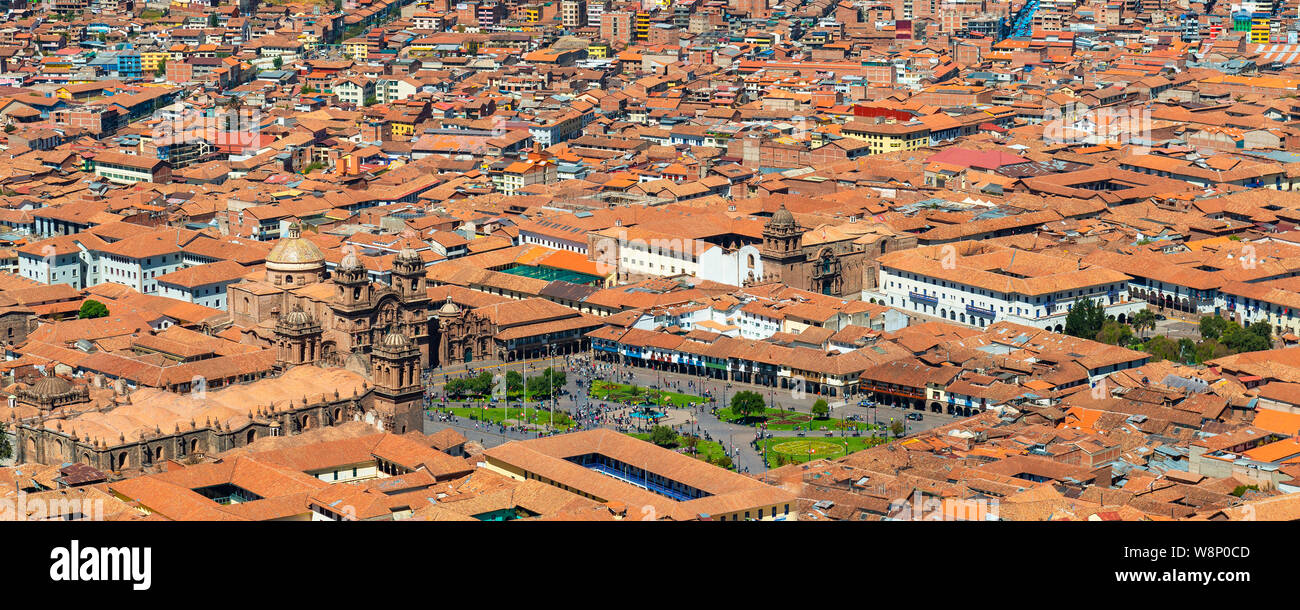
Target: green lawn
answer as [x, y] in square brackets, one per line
[779, 420]
[497, 415]
[708, 451]
[795, 448]
[620, 392]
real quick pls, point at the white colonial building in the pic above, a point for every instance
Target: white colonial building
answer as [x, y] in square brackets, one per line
[977, 284]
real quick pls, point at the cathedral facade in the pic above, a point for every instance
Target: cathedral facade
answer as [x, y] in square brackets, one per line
[315, 319]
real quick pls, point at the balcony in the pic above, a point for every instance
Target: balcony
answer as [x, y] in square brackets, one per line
[980, 311]
[896, 391]
[923, 298]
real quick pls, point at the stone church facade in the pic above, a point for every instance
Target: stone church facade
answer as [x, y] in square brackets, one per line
[834, 261]
[353, 314]
[833, 268]
[382, 334]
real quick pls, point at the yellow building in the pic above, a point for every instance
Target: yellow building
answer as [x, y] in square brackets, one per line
[403, 129]
[888, 137]
[641, 25]
[357, 49]
[598, 51]
[150, 60]
[1259, 30]
[762, 41]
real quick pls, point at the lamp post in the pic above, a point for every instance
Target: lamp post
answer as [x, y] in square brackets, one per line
[554, 399]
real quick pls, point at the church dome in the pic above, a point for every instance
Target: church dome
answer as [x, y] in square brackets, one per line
[782, 219]
[51, 386]
[350, 262]
[409, 255]
[298, 317]
[396, 340]
[449, 308]
[294, 253]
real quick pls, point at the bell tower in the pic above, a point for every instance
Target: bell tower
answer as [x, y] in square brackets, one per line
[353, 301]
[297, 340]
[782, 244]
[412, 287]
[395, 368]
[353, 284]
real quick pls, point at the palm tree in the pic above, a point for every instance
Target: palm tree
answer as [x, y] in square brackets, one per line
[1143, 319]
[232, 107]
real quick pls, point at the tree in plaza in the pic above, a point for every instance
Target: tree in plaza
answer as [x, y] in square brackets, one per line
[541, 386]
[1212, 327]
[1235, 338]
[820, 409]
[1263, 329]
[1143, 320]
[1114, 333]
[456, 387]
[663, 436]
[92, 309]
[897, 428]
[1209, 350]
[278, 62]
[1240, 340]
[747, 404]
[1162, 348]
[481, 384]
[692, 443]
[723, 461]
[514, 382]
[1085, 319]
